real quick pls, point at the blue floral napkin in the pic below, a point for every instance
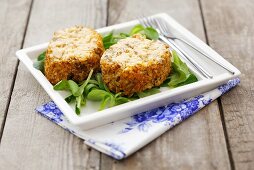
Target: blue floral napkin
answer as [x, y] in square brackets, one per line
[124, 137]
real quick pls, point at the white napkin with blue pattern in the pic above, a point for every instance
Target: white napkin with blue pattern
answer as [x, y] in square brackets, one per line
[124, 137]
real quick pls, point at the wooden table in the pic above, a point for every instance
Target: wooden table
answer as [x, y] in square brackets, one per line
[221, 136]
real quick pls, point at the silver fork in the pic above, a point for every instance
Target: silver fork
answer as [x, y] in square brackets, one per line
[166, 32]
[149, 23]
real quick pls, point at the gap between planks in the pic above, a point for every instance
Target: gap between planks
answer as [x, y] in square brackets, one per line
[230, 157]
[37, 142]
[15, 74]
[231, 160]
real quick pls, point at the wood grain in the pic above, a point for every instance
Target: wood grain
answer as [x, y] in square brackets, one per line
[13, 18]
[30, 141]
[199, 142]
[230, 31]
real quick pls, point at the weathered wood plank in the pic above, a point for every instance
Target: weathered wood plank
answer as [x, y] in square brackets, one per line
[12, 26]
[199, 142]
[230, 31]
[30, 141]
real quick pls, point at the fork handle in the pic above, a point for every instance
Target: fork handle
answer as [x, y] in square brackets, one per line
[174, 46]
[204, 54]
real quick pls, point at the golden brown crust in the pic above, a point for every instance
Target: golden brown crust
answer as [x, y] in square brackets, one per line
[138, 77]
[73, 62]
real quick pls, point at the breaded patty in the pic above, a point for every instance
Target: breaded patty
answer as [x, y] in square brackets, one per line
[72, 53]
[135, 64]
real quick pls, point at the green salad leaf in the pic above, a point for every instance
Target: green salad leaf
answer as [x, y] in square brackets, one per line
[149, 32]
[94, 89]
[102, 93]
[148, 92]
[138, 28]
[73, 87]
[67, 85]
[104, 102]
[181, 74]
[102, 85]
[41, 56]
[97, 95]
[80, 101]
[78, 105]
[62, 85]
[121, 100]
[82, 87]
[89, 87]
[39, 63]
[77, 92]
[69, 99]
[109, 40]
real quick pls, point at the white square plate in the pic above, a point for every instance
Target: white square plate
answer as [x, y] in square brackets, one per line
[91, 117]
